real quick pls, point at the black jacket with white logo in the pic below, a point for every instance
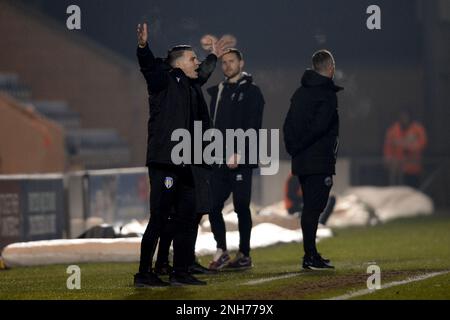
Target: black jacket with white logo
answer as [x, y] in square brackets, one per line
[175, 103]
[237, 106]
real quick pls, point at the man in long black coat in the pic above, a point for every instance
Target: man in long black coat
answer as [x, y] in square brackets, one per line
[176, 101]
[311, 132]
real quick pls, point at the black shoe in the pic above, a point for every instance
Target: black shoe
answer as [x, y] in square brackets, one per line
[163, 269]
[197, 268]
[148, 279]
[324, 259]
[184, 278]
[316, 262]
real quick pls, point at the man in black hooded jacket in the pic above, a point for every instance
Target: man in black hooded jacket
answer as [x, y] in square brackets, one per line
[176, 101]
[236, 103]
[311, 132]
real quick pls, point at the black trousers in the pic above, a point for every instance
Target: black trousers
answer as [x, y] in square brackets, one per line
[166, 240]
[172, 210]
[201, 176]
[239, 182]
[316, 190]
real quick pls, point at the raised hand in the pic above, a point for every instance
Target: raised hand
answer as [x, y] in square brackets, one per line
[207, 42]
[218, 47]
[142, 34]
[228, 41]
[225, 43]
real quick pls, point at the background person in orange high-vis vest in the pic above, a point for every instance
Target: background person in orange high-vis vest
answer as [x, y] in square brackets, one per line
[404, 144]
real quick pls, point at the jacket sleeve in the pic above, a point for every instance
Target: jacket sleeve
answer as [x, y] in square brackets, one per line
[157, 78]
[206, 68]
[289, 132]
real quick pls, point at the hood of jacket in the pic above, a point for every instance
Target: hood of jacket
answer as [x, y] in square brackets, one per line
[313, 79]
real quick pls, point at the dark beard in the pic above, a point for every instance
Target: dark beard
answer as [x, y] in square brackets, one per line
[234, 74]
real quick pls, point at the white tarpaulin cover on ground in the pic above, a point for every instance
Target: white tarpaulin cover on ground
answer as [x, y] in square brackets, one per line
[357, 207]
[128, 249]
[360, 206]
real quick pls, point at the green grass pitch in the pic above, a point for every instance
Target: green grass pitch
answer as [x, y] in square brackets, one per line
[403, 249]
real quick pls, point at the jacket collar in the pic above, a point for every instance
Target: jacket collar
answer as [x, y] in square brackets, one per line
[179, 74]
[313, 79]
[245, 79]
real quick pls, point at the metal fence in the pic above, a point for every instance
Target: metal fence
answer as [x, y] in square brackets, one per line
[53, 206]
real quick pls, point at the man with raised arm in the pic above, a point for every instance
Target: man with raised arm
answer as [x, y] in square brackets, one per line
[176, 101]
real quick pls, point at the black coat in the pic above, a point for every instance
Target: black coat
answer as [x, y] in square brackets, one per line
[311, 128]
[169, 98]
[242, 108]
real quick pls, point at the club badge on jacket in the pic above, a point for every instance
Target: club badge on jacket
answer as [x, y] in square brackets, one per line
[168, 182]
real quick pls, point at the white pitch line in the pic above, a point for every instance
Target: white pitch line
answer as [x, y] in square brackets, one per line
[389, 285]
[259, 281]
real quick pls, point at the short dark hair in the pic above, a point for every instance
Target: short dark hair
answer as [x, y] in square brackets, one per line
[238, 54]
[177, 52]
[321, 60]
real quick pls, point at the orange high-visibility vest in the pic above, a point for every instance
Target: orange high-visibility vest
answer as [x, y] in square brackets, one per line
[288, 202]
[406, 146]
